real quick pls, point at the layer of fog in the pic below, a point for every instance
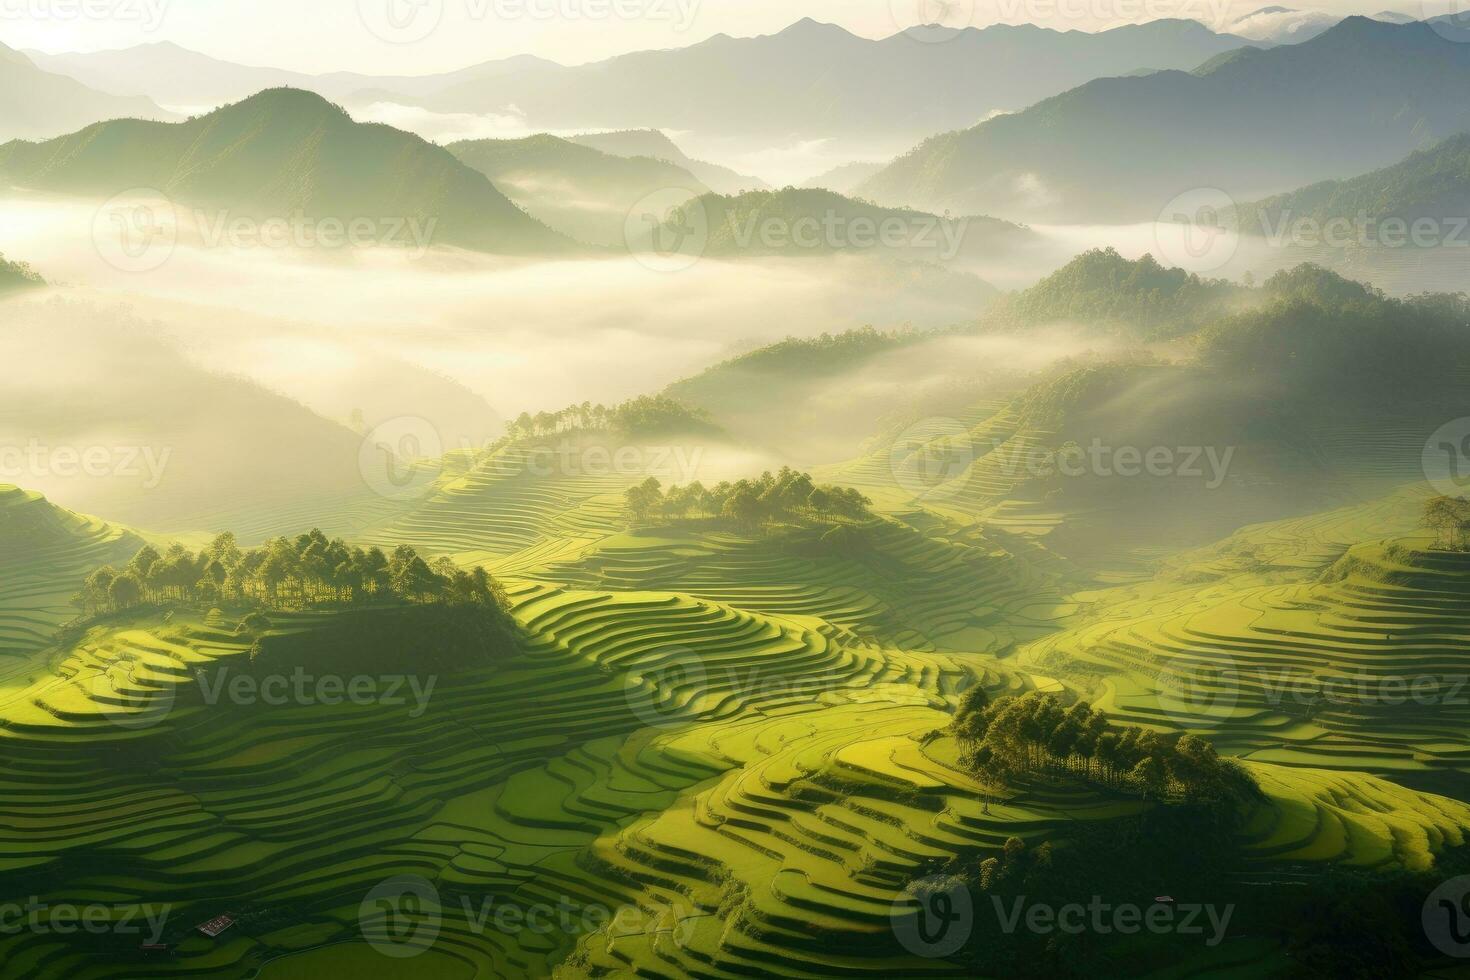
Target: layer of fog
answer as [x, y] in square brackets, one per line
[520, 335]
[458, 340]
[947, 380]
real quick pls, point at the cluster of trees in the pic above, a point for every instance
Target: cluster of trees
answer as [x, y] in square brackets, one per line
[784, 496]
[17, 275]
[1035, 734]
[646, 415]
[285, 573]
[1139, 296]
[1323, 334]
[1449, 519]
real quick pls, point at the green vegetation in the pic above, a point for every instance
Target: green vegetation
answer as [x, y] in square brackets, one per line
[1034, 734]
[1140, 298]
[783, 497]
[17, 275]
[309, 572]
[1449, 519]
[806, 222]
[281, 153]
[647, 415]
[764, 720]
[1430, 183]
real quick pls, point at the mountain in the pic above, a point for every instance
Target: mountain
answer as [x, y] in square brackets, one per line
[845, 178]
[577, 190]
[280, 153]
[1433, 183]
[817, 80]
[652, 143]
[173, 75]
[809, 81]
[1282, 25]
[17, 275]
[804, 222]
[36, 104]
[1247, 123]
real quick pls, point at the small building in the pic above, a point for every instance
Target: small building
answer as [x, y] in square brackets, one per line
[216, 925]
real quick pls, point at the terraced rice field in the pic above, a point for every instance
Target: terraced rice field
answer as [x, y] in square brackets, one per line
[734, 792]
[45, 552]
[720, 755]
[1368, 669]
[900, 588]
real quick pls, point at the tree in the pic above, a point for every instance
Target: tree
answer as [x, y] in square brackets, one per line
[643, 499]
[1149, 775]
[1449, 519]
[125, 591]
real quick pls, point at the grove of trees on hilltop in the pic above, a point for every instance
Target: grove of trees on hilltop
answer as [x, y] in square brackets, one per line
[646, 415]
[785, 496]
[1035, 734]
[304, 572]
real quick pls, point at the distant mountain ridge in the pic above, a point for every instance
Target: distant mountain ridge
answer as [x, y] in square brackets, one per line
[1249, 122]
[35, 103]
[810, 80]
[282, 152]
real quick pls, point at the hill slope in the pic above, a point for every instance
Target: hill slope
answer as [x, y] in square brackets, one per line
[652, 143]
[575, 189]
[1250, 122]
[279, 153]
[796, 221]
[17, 275]
[1430, 183]
[35, 104]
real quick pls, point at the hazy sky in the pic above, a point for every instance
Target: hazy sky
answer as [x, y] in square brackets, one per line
[424, 36]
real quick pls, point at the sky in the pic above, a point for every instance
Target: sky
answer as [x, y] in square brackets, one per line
[427, 36]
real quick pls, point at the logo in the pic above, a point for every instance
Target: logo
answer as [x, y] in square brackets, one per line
[400, 917]
[931, 459]
[1446, 917]
[1447, 458]
[1197, 230]
[137, 230]
[660, 692]
[934, 917]
[932, 21]
[401, 458]
[401, 21]
[667, 231]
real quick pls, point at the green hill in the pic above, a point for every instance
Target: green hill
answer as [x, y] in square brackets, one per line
[577, 190]
[805, 222]
[281, 153]
[1139, 298]
[1360, 95]
[1432, 183]
[45, 551]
